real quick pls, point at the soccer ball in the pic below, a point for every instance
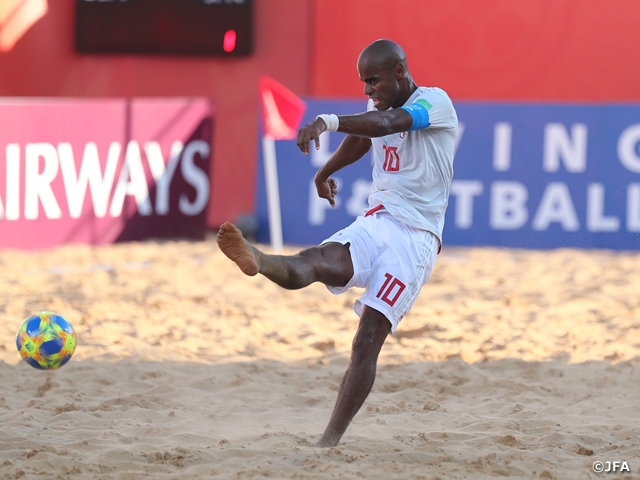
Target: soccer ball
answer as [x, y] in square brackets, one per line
[46, 341]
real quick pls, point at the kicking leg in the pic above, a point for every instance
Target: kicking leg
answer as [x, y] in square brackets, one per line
[330, 263]
[360, 375]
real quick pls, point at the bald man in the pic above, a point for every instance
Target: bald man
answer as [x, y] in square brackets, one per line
[389, 250]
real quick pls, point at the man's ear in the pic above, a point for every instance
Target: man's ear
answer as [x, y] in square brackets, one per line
[399, 71]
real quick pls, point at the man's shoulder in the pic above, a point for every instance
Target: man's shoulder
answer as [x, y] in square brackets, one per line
[436, 93]
[423, 88]
[442, 113]
[435, 100]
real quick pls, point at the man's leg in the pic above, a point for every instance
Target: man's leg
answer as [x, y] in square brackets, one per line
[361, 373]
[330, 263]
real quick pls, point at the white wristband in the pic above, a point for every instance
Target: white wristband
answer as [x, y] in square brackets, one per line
[331, 121]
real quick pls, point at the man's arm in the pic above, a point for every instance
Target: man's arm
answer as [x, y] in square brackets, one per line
[369, 124]
[361, 128]
[350, 150]
[376, 124]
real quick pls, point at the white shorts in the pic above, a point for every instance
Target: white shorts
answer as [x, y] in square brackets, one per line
[390, 259]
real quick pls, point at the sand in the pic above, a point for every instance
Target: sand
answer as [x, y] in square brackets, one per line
[512, 363]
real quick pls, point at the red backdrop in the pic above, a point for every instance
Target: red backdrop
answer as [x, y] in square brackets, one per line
[577, 50]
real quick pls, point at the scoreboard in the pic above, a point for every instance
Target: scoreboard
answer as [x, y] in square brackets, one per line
[164, 27]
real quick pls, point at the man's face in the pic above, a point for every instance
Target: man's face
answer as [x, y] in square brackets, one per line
[380, 83]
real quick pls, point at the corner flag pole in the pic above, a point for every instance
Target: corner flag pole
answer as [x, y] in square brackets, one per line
[282, 111]
[273, 192]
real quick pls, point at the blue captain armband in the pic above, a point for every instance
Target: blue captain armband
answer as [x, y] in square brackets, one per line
[420, 115]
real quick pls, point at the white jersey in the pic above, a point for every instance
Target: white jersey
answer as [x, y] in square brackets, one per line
[412, 171]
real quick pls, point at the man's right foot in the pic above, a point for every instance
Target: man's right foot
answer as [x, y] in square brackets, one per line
[327, 442]
[234, 246]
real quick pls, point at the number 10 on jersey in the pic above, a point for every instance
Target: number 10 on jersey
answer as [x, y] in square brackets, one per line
[391, 159]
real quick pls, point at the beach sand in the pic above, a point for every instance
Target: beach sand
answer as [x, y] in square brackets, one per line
[512, 363]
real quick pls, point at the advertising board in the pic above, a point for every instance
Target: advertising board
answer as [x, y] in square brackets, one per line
[525, 175]
[100, 170]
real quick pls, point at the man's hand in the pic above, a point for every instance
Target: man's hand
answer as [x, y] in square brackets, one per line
[311, 131]
[327, 189]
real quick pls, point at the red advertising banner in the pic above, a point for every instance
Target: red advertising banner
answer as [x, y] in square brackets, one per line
[98, 171]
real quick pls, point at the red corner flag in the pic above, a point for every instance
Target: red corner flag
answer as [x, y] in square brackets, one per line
[282, 109]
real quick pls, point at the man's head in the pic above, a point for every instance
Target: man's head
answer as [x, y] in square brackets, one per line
[382, 67]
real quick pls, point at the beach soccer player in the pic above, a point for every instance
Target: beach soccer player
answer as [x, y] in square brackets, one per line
[389, 250]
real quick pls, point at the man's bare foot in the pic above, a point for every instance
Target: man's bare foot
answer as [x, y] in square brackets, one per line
[234, 246]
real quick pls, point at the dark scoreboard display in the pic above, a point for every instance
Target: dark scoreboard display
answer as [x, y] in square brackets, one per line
[165, 27]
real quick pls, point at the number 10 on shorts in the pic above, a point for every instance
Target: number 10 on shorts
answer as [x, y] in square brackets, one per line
[391, 286]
